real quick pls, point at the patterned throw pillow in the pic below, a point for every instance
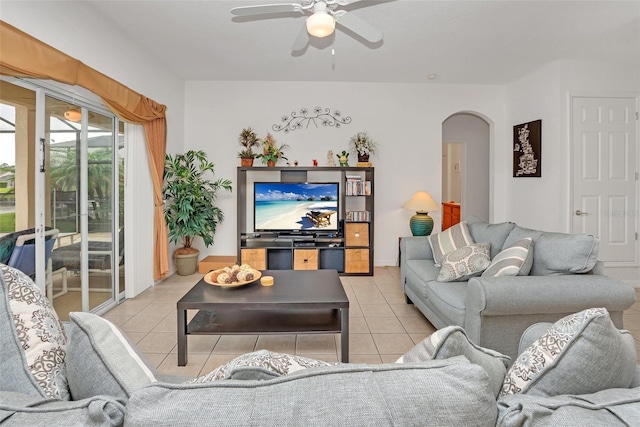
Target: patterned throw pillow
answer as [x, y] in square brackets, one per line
[580, 354]
[102, 361]
[466, 262]
[449, 240]
[516, 260]
[32, 339]
[452, 341]
[260, 365]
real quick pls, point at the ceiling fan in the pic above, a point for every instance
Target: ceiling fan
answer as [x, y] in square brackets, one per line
[322, 21]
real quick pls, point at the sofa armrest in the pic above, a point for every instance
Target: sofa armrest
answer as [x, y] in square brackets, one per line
[18, 409]
[415, 247]
[500, 309]
[522, 295]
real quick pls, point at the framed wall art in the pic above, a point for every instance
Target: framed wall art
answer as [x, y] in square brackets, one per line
[527, 150]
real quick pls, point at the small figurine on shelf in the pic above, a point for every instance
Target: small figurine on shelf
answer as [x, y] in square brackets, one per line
[343, 158]
[315, 162]
[330, 161]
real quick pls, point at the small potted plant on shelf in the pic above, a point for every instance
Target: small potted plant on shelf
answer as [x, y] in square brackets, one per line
[362, 144]
[190, 209]
[248, 139]
[271, 153]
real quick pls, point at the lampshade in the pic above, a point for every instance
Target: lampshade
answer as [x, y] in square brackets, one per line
[421, 224]
[320, 24]
[73, 115]
[421, 201]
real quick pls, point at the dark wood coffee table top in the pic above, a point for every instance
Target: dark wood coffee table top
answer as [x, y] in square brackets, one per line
[298, 302]
[291, 289]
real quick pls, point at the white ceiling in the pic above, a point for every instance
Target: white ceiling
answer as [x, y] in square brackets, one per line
[466, 42]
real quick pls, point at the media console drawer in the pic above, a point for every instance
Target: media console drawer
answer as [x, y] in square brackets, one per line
[356, 261]
[255, 257]
[356, 234]
[305, 259]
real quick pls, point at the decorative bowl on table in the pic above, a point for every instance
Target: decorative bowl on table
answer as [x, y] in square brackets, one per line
[230, 277]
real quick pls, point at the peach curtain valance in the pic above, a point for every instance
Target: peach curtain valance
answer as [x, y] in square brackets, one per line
[22, 55]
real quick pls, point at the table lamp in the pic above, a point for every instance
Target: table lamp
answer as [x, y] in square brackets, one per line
[421, 223]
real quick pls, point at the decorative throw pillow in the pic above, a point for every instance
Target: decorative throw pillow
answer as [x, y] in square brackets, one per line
[452, 341]
[260, 365]
[516, 260]
[580, 354]
[449, 240]
[558, 253]
[466, 262]
[101, 360]
[483, 231]
[32, 339]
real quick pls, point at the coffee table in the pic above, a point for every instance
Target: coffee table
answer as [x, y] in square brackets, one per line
[298, 302]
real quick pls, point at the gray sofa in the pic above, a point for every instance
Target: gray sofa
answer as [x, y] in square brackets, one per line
[86, 373]
[565, 277]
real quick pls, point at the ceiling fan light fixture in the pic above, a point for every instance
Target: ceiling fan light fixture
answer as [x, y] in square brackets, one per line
[320, 24]
[73, 115]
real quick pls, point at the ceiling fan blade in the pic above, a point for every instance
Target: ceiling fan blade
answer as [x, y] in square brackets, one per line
[267, 8]
[358, 26]
[301, 39]
[346, 2]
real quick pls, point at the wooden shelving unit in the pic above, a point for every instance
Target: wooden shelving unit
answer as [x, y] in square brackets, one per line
[350, 252]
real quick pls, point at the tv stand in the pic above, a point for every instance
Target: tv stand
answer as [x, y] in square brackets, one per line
[348, 250]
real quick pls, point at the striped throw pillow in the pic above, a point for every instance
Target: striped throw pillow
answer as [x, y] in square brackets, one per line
[449, 240]
[516, 260]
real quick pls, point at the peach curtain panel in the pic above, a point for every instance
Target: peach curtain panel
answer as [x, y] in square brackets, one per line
[22, 55]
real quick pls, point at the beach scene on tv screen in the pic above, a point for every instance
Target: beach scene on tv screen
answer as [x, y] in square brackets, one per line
[296, 206]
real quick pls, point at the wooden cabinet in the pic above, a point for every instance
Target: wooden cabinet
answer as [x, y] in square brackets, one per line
[450, 214]
[350, 251]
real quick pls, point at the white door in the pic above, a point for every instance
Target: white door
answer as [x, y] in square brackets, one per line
[605, 175]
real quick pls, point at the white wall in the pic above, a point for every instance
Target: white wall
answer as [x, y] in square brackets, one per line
[473, 133]
[95, 43]
[543, 203]
[405, 120]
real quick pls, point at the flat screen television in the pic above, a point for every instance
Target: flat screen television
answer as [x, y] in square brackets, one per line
[296, 207]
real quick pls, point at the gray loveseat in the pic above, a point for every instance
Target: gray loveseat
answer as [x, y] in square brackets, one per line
[565, 277]
[86, 373]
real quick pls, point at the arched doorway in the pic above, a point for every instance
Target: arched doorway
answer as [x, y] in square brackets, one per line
[465, 163]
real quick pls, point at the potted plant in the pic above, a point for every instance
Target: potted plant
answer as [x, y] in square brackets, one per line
[190, 209]
[362, 144]
[271, 153]
[248, 139]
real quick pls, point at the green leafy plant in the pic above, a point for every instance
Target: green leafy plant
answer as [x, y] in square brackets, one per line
[248, 139]
[270, 151]
[190, 197]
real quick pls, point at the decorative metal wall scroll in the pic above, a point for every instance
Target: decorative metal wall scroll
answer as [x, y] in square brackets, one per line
[527, 149]
[304, 118]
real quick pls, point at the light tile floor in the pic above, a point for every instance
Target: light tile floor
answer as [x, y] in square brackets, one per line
[382, 327]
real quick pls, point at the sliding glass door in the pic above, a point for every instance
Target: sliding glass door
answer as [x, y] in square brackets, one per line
[69, 166]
